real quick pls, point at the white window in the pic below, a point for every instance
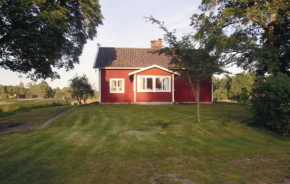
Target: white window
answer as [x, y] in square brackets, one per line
[117, 86]
[162, 84]
[145, 83]
[153, 84]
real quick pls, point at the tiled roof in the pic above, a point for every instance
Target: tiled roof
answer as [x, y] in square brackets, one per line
[129, 58]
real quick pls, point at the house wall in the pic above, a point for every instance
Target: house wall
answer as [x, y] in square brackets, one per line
[184, 94]
[154, 96]
[106, 96]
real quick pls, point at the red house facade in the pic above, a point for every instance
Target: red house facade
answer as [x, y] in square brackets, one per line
[137, 76]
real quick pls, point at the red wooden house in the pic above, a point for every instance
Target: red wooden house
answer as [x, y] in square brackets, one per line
[137, 76]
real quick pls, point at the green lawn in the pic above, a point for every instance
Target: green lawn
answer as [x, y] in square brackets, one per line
[146, 144]
[34, 117]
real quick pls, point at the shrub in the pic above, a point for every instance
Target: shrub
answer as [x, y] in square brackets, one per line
[5, 96]
[270, 102]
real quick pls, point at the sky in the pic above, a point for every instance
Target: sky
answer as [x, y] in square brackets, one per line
[123, 26]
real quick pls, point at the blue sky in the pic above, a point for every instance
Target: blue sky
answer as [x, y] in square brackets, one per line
[124, 26]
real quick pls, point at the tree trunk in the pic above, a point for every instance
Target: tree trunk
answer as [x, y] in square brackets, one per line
[196, 92]
[79, 100]
[197, 100]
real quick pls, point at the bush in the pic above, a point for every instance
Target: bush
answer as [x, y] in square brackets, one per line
[270, 102]
[5, 96]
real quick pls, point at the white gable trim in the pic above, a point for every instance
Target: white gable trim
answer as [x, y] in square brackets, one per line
[152, 66]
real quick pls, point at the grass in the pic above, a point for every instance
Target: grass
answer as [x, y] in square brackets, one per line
[34, 117]
[11, 105]
[146, 144]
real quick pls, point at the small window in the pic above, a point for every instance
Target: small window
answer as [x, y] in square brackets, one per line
[116, 85]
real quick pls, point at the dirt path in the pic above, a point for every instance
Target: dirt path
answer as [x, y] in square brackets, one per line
[52, 119]
[30, 126]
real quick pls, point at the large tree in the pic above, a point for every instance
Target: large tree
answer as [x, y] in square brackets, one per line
[37, 36]
[258, 36]
[196, 60]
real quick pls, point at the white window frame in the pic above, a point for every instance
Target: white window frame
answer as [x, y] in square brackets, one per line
[154, 83]
[117, 79]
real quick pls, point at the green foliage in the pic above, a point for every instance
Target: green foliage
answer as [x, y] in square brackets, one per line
[4, 96]
[37, 36]
[241, 84]
[235, 87]
[81, 89]
[42, 90]
[59, 95]
[195, 59]
[63, 94]
[66, 91]
[259, 39]
[270, 102]
[221, 88]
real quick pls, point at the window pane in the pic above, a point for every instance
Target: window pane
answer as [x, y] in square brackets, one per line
[166, 84]
[158, 84]
[113, 85]
[120, 85]
[141, 83]
[149, 83]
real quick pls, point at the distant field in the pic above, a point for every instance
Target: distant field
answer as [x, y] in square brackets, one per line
[11, 105]
[146, 144]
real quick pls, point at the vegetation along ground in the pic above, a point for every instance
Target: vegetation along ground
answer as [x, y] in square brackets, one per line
[11, 105]
[146, 144]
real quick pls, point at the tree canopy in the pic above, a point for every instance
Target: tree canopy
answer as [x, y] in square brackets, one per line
[196, 60]
[38, 36]
[258, 36]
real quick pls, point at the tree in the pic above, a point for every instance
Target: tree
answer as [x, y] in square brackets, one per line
[196, 60]
[37, 36]
[259, 39]
[22, 89]
[81, 89]
[66, 91]
[59, 95]
[221, 88]
[241, 83]
[42, 90]
[54, 91]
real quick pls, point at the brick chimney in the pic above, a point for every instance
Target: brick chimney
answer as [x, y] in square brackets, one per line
[156, 44]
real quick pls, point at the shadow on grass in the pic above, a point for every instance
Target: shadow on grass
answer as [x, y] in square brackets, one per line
[163, 125]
